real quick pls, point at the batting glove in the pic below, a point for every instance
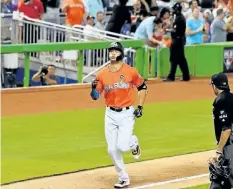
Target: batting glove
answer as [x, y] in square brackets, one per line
[94, 83]
[138, 112]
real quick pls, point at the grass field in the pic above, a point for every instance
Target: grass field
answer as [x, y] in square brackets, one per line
[205, 186]
[45, 144]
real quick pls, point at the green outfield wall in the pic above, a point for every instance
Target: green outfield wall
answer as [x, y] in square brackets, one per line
[203, 60]
[79, 46]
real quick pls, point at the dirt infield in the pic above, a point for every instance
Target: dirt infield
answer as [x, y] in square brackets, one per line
[141, 174]
[53, 99]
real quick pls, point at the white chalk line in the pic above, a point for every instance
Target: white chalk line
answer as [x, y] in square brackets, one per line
[170, 181]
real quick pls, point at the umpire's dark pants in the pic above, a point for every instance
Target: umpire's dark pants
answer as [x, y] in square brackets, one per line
[228, 154]
[177, 57]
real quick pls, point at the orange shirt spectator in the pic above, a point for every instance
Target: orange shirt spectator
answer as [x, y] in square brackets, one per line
[231, 5]
[32, 8]
[75, 11]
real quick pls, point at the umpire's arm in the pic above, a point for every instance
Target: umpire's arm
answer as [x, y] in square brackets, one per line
[225, 121]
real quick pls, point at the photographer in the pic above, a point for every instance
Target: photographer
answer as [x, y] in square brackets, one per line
[46, 76]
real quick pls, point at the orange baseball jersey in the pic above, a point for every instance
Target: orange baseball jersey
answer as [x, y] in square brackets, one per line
[119, 87]
[75, 11]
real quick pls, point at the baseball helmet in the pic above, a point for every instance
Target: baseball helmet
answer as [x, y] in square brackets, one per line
[220, 81]
[119, 47]
[176, 8]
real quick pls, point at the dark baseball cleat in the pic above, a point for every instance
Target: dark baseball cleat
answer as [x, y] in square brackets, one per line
[182, 79]
[168, 80]
[122, 184]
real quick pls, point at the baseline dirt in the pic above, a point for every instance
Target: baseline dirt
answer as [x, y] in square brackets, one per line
[77, 97]
[72, 97]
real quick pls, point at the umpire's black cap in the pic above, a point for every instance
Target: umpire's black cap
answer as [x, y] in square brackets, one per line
[220, 81]
[177, 8]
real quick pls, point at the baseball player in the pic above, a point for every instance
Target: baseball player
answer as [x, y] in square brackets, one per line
[118, 81]
[223, 124]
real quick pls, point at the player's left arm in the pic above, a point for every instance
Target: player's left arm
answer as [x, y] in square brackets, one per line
[139, 82]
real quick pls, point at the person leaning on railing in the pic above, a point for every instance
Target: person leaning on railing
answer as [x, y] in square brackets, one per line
[46, 76]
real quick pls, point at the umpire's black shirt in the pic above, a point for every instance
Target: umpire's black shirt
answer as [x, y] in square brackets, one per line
[223, 114]
[179, 27]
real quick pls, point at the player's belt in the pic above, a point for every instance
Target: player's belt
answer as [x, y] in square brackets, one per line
[118, 109]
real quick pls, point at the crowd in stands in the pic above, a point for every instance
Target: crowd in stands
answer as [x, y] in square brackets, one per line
[207, 21]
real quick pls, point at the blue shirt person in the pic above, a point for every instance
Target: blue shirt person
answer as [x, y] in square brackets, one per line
[145, 29]
[194, 31]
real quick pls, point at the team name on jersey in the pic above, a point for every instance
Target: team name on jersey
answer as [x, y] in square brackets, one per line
[117, 85]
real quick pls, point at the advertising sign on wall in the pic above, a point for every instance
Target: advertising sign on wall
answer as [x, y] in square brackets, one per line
[228, 60]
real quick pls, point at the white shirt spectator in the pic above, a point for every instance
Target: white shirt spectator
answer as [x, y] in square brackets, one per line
[130, 3]
[189, 13]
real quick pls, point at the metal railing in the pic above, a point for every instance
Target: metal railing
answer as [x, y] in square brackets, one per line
[26, 30]
[26, 50]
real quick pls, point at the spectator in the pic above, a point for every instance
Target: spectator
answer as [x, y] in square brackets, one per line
[231, 6]
[75, 12]
[111, 3]
[46, 76]
[218, 28]
[154, 11]
[142, 16]
[147, 4]
[145, 30]
[194, 29]
[8, 6]
[32, 8]
[185, 5]
[220, 6]
[95, 6]
[189, 12]
[230, 30]
[165, 17]
[89, 29]
[120, 16]
[157, 36]
[100, 24]
[52, 11]
[207, 16]
[220, 3]
[137, 7]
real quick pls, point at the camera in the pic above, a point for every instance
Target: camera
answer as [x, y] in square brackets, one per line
[44, 70]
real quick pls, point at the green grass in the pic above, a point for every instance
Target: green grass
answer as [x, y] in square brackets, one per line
[205, 186]
[45, 144]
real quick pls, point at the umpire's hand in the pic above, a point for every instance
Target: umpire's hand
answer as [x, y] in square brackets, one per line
[138, 112]
[94, 83]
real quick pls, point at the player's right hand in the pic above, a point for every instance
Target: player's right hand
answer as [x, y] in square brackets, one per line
[94, 83]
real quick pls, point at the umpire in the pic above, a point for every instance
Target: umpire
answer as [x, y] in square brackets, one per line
[177, 56]
[220, 166]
